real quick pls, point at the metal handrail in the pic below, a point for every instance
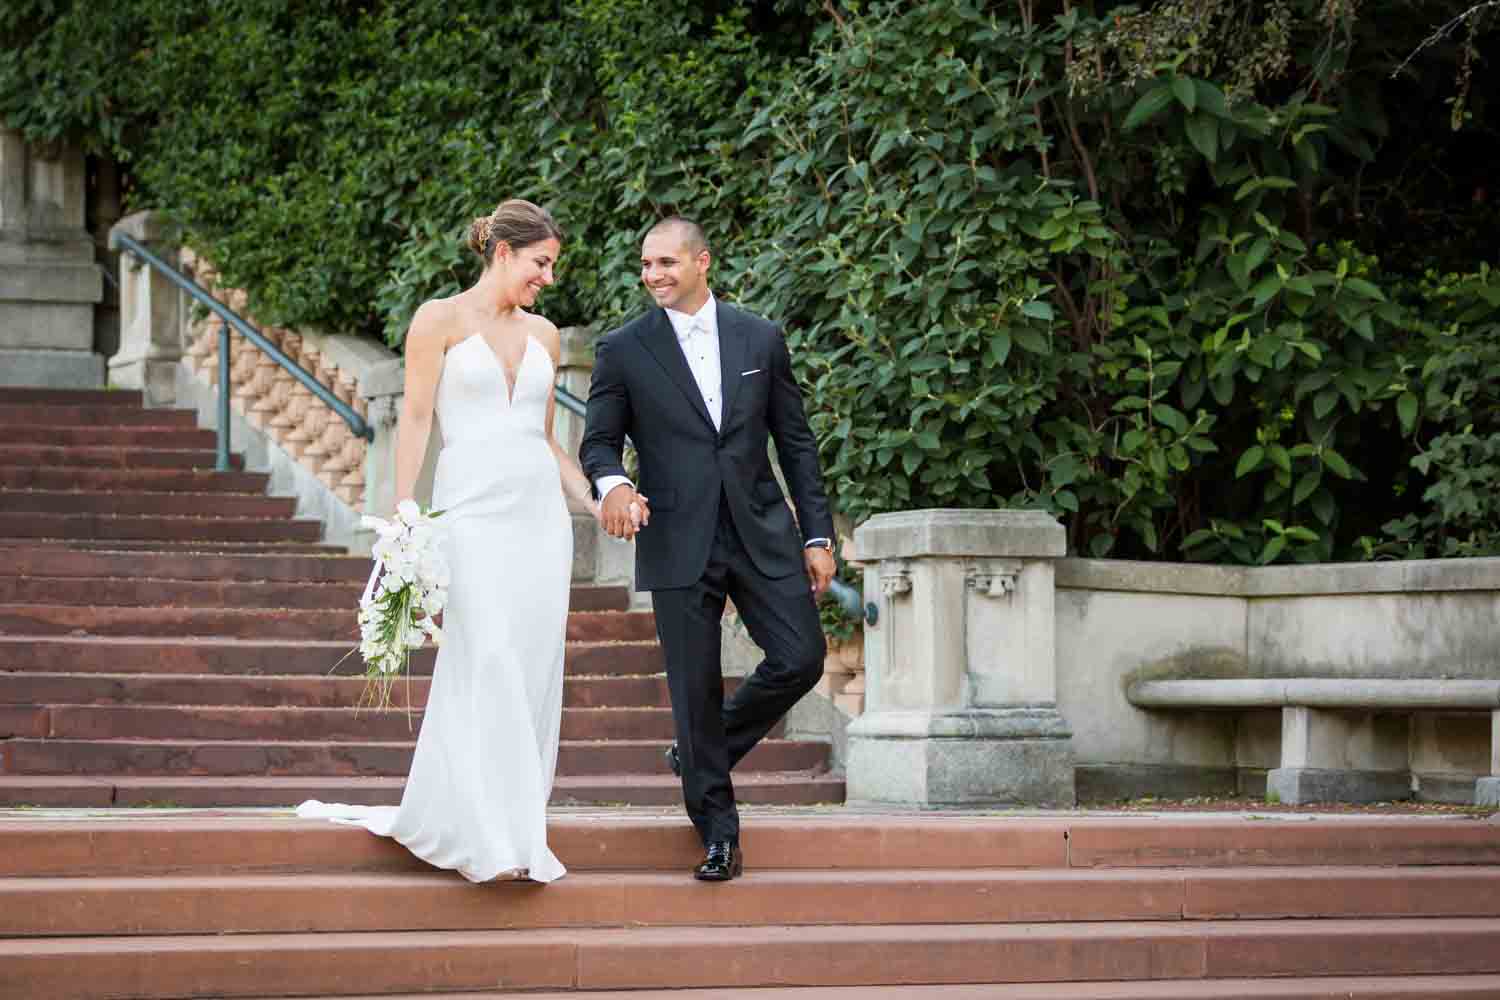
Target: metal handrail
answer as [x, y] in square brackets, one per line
[357, 424]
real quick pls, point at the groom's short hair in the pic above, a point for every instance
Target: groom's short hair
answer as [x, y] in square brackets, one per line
[692, 233]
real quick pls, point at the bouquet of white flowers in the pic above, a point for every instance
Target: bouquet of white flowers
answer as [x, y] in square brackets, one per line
[399, 604]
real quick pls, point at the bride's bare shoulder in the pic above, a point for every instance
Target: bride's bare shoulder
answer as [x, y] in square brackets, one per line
[544, 330]
[436, 324]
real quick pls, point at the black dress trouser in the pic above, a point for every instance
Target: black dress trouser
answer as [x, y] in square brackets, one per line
[714, 733]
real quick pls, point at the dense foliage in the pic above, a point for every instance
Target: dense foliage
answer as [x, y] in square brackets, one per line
[1207, 278]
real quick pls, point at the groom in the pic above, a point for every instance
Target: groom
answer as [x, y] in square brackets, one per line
[700, 387]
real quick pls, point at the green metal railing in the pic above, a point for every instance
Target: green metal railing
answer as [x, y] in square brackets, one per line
[357, 424]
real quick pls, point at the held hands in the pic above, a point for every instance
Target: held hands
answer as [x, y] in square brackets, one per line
[819, 563]
[624, 512]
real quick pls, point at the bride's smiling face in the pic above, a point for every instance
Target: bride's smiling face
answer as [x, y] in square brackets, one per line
[529, 269]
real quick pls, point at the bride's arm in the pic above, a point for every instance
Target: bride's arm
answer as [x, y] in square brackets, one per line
[425, 341]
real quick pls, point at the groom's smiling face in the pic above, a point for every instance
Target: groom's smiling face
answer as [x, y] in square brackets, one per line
[674, 270]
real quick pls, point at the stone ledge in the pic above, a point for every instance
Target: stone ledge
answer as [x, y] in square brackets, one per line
[1372, 694]
[1021, 723]
[1016, 534]
[49, 369]
[1300, 785]
[60, 282]
[1318, 580]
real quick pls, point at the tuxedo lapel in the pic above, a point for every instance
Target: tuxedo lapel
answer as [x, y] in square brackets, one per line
[731, 357]
[661, 340]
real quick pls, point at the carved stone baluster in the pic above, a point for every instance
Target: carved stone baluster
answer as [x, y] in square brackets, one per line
[351, 489]
[258, 389]
[283, 386]
[302, 406]
[315, 452]
[337, 434]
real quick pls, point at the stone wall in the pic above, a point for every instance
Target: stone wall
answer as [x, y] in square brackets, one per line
[49, 283]
[1404, 654]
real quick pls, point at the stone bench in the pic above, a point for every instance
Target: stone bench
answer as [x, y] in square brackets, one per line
[1332, 747]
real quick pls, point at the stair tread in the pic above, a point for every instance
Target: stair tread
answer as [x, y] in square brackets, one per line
[1294, 988]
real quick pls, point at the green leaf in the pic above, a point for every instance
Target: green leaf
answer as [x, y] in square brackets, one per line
[1279, 457]
[1306, 485]
[1336, 464]
[1360, 286]
[1185, 92]
[1324, 507]
[1239, 270]
[1151, 104]
[1272, 550]
[1249, 461]
[1037, 309]
[1266, 289]
[999, 347]
[1203, 133]
[1211, 98]
[1032, 341]
[1406, 409]
[1170, 417]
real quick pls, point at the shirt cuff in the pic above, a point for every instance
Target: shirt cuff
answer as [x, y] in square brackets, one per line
[604, 484]
[821, 542]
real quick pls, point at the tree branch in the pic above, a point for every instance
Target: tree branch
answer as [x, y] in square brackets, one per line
[1442, 33]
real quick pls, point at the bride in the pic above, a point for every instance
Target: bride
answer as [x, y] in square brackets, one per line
[476, 798]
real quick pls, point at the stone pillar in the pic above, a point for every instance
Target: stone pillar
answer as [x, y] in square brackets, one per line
[49, 283]
[1487, 790]
[960, 672]
[1334, 756]
[150, 324]
[573, 374]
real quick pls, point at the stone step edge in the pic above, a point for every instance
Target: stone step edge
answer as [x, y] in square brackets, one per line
[598, 954]
[1470, 987]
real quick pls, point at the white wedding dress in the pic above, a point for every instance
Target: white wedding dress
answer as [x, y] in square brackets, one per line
[476, 797]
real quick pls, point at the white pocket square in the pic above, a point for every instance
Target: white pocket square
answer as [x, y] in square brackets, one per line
[750, 372]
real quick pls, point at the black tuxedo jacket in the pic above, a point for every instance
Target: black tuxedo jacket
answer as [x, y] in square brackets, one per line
[642, 387]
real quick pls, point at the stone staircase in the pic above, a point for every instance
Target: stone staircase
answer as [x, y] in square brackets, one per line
[170, 635]
[851, 905]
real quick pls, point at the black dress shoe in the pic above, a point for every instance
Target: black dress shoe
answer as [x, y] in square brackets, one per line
[722, 862]
[673, 760]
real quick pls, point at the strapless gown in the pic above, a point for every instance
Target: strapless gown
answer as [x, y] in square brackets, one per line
[476, 798]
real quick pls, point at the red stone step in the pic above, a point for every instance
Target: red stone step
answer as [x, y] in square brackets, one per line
[586, 840]
[781, 788]
[110, 457]
[145, 591]
[317, 902]
[278, 656]
[1481, 987]
[158, 480]
[325, 758]
[149, 527]
[54, 619]
[90, 415]
[244, 567]
[137, 502]
[214, 722]
[109, 435]
[1318, 840]
[176, 546]
[618, 958]
[27, 689]
[71, 397]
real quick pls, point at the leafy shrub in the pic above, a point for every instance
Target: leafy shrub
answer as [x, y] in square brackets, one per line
[1168, 272]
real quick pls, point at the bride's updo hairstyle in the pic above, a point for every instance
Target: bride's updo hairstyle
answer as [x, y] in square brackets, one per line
[516, 222]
